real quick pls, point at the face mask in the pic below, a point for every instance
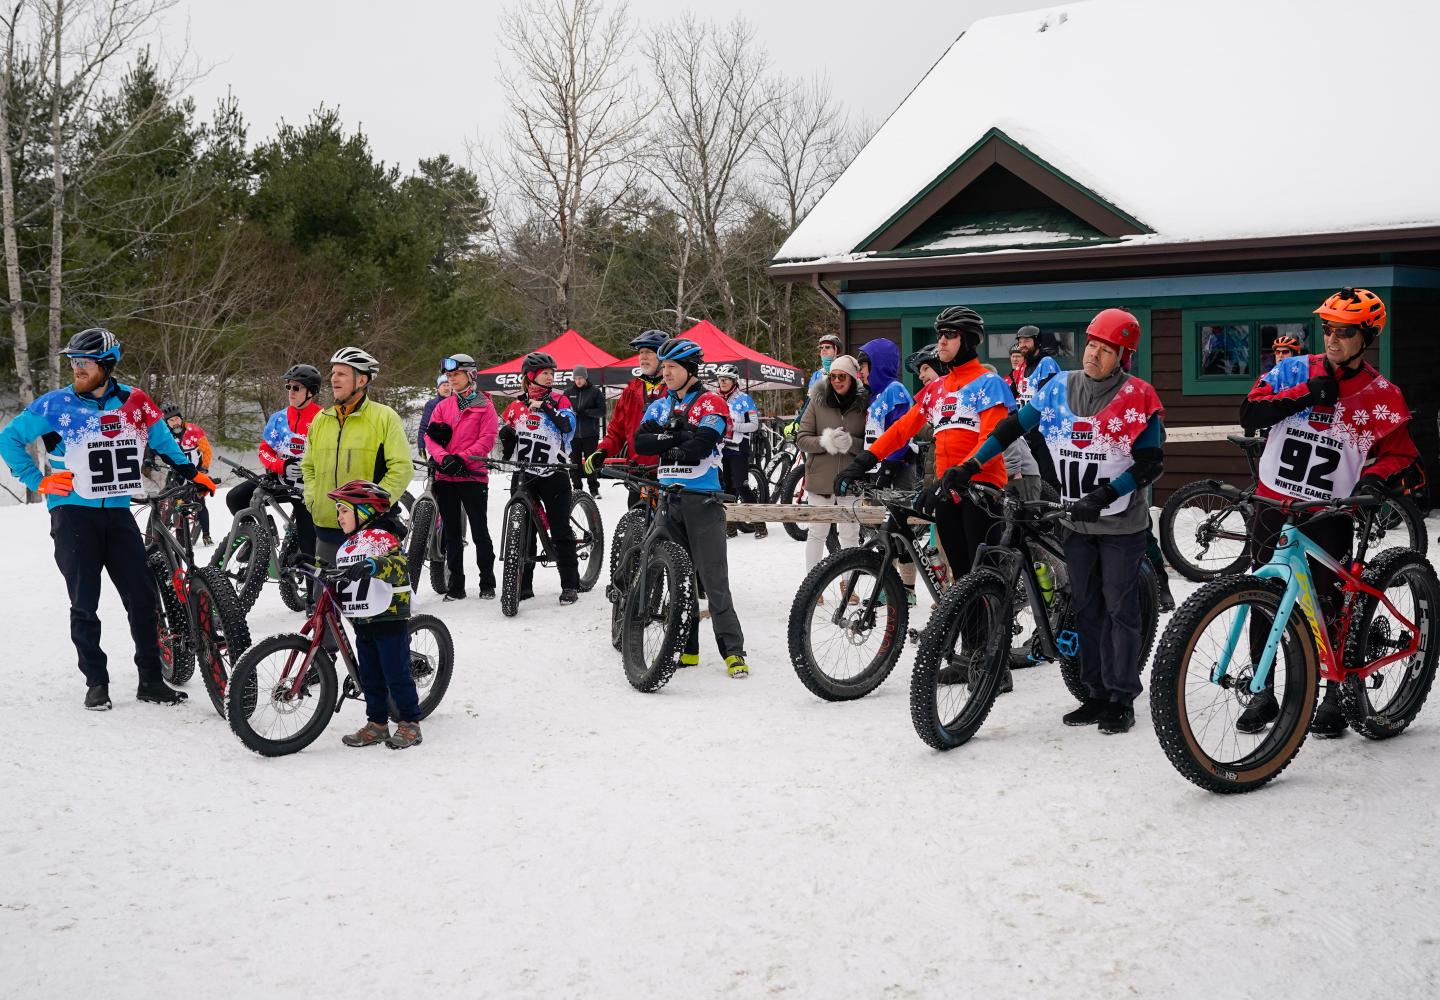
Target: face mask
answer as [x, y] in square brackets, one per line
[825, 364]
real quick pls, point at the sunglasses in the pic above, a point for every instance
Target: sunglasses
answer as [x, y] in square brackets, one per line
[1343, 332]
[290, 387]
[83, 364]
[947, 334]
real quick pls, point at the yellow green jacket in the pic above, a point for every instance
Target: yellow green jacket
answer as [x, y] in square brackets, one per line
[369, 444]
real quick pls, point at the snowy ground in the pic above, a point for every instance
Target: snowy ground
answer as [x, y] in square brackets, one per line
[559, 834]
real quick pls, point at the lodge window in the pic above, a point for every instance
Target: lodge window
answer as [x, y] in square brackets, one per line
[1226, 352]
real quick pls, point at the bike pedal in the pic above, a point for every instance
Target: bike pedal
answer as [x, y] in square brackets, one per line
[913, 634]
[1068, 642]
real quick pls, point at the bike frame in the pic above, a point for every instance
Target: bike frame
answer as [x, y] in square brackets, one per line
[179, 555]
[325, 620]
[1014, 563]
[1291, 565]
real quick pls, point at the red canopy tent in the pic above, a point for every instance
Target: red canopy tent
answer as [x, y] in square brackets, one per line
[569, 349]
[757, 371]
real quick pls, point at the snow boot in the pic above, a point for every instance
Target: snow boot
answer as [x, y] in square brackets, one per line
[1262, 710]
[97, 698]
[689, 660]
[761, 531]
[454, 596]
[957, 669]
[1118, 717]
[569, 595]
[487, 591]
[1167, 600]
[369, 735]
[736, 666]
[1089, 712]
[1329, 721]
[407, 734]
[157, 692]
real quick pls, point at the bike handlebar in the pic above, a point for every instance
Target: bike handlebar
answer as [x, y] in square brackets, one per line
[672, 489]
[1358, 501]
[185, 489]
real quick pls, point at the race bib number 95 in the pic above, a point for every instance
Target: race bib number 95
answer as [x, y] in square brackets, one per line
[106, 467]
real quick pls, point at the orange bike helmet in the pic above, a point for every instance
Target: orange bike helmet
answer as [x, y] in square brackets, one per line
[1354, 307]
[1116, 327]
[1287, 342]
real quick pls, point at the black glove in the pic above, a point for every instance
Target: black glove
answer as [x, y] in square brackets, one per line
[1373, 484]
[890, 472]
[1088, 507]
[359, 570]
[675, 456]
[452, 465]
[439, 432]
[858, 468]
[508, 437]
[1324, 390]
[950, 487]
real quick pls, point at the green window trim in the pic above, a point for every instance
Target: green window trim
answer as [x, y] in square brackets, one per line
[1195, 383]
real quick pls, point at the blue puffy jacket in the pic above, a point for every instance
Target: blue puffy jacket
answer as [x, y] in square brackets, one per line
[889, 399]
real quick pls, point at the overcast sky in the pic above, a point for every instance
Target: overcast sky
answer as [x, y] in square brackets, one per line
[420, 75]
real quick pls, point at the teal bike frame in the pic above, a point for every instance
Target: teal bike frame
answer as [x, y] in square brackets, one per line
[1291, 565]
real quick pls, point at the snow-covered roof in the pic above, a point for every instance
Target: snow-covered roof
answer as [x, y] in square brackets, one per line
[1203, 119]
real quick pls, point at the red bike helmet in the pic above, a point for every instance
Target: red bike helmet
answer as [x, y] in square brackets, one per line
[1118, 328]
[368, 500]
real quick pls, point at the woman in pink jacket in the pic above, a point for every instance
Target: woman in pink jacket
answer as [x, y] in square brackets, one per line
[461, 432]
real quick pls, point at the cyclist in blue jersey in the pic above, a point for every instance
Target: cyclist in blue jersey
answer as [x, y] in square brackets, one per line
[685, 428]
[95, 434]
[889, 400]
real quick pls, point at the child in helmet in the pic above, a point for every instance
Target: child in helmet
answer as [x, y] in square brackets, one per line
[375, 595]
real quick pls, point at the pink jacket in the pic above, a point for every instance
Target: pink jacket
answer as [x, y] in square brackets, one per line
[474, 433]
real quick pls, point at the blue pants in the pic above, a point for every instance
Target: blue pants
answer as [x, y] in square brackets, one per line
[87, 540]
[384, 654]
[1105, 599]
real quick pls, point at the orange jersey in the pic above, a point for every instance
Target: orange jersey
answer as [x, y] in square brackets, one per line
[964, 408]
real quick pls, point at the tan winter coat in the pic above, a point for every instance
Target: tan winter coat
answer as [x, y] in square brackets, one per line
[822, 463]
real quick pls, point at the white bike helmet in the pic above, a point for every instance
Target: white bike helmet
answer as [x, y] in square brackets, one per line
[361, 361]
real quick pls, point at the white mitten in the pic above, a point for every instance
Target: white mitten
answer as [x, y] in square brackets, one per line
[844, 441]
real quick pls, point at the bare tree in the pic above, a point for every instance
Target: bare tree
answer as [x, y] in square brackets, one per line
[800, 149]
[569, 143]
[93, 33]
[714, 100]
[15, 290]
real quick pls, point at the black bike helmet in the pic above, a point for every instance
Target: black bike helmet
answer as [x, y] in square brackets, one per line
[927, 355]
[172, 410]
[95, 344]
[962, 319]
[306, 375]
[535, 361]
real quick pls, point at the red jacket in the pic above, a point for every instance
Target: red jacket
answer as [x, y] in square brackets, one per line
[619, 440]
[284, 436]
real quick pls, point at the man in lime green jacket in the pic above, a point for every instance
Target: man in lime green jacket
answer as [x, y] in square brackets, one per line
[357, 438]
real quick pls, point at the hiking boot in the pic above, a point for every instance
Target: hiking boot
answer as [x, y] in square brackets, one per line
[1007, 682]
[689, 660]
[487, 591]
[569, 595]
[957, 670]
[1329, 722]
[736, 666]
[97, 698]
[454, 597]
[369, 735]
[407, 734]
[1118, 717]
[1262, 710]
[1089, 713]
[1167, 600]
[206, 540]
[731, 530]
[761, 531]
[157, 692]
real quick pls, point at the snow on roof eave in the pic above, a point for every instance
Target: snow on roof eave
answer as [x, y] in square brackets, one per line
[809, 264]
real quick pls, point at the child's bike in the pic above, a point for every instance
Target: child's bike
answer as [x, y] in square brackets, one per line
[283, 692]
[1237, 633]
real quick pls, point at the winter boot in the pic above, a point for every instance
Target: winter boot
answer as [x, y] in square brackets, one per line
[407, 734]
[761, 531]
[731, 530]
[1007, 682]
[1329, 721]
[569, 595]
[97, 698]
[1118, 717]
[487, 590]
[369, 735]
[159, 693]
[736, 666]
[957, 670]
[1262, 710]
[689, 660]
[455, 596]
[1167, 600]
[1089, 713]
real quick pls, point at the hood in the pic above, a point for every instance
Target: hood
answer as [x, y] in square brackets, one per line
[884, 363]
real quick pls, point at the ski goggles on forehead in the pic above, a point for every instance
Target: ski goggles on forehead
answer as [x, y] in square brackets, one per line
[451, 365]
